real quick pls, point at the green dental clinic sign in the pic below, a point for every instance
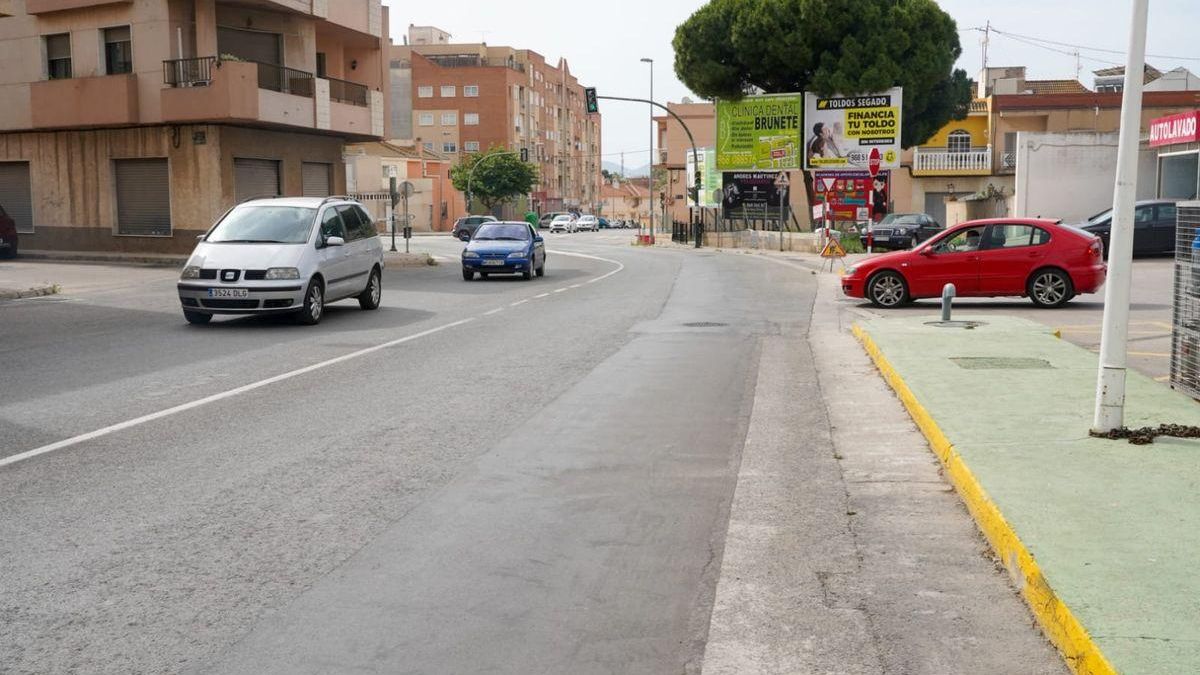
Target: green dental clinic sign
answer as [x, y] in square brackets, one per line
[760, 133]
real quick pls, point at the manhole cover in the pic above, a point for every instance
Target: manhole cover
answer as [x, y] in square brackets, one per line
[955, 324]
[704, 324]
[1000, 363]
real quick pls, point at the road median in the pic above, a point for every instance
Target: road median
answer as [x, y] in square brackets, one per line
[1097, 534]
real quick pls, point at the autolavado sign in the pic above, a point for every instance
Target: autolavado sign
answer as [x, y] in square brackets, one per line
[1175, 129]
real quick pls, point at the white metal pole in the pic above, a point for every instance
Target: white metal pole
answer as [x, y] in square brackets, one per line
[650, 180]
[1114, 335]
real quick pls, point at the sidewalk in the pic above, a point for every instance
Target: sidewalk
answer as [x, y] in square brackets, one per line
[1100, 535]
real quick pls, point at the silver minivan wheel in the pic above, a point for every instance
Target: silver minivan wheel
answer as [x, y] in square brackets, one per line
[314, 304]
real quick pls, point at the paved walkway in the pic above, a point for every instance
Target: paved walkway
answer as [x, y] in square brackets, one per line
[1102, 533]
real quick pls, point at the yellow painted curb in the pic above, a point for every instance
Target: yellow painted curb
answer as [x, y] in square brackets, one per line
[1060, 625]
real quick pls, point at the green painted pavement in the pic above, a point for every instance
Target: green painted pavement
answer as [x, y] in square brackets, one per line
[1114, 527]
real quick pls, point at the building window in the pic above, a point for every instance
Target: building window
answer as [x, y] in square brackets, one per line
[428, 146]
[449, 119]
[118, 51]
[425, 120]
[425, 92]
[471, 119]
[58, 56]
[448, 91]
[471, 90]
[958, 141]
[449, 147]
[471, 146]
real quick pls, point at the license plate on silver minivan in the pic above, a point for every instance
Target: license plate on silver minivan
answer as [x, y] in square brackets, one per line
[228, 293]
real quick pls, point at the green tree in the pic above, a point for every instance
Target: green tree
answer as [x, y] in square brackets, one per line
[496, 176]
[729, 48]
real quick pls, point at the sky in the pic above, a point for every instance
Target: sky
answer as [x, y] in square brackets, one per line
[605, 42]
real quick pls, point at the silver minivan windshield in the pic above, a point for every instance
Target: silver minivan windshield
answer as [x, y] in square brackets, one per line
[264, 225]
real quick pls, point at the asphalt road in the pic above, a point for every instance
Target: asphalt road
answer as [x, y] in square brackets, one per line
[500, 476]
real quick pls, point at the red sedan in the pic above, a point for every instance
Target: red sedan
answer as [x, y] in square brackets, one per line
[1040, 259]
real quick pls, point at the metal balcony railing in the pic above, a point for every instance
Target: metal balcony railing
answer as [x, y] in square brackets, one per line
[1008, 161]
[285, 80]
[932, 160]
[195, 72]
[344, 91]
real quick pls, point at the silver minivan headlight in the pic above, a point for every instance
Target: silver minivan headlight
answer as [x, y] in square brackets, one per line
[277, 273]
[190, 272]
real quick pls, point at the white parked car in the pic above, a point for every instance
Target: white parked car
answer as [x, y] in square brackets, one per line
[589, 223]
[284, 255]
[563, 224]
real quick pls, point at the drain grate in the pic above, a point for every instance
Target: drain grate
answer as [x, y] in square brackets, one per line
[704, 324]
[969, 325]
[1000, 363]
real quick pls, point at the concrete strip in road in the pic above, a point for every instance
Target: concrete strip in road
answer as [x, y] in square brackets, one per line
[847, 552]
[1078, 521]
[31, 292]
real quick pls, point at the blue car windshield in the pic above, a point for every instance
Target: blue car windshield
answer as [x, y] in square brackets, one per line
[264, 225]
[501, 232]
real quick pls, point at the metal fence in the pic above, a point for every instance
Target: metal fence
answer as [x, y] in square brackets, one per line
[344, 91]
[1185, 341]
[285, 80]
[195, 72]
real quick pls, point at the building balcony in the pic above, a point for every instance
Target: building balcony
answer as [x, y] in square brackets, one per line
[109, 100]
[211, 90]
[944, 162]
[45, 6]
[363, 16]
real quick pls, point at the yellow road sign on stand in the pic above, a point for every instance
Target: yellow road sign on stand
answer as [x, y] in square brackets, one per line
[833, 249]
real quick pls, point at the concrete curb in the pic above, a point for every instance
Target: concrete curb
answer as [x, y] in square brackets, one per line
[403, 260]
[151, 260]
[35, 292]
[1057, 621]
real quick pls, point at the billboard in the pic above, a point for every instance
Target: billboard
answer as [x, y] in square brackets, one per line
[751, 194]
[853, 195]
[710, 177]
[841, 131]
[760, 133]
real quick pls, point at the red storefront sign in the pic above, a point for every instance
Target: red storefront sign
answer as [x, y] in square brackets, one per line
[1181, 128]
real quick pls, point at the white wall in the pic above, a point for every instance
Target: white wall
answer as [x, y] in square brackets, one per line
[1065, 175]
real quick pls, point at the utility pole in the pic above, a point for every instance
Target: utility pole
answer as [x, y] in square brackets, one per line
[1114, 334]
[987, 37]
[650, 180]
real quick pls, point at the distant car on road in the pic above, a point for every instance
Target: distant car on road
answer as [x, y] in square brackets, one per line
[8, 235]
[465, 227]
[548, 218]
[901, 230]
[589, 223]
[284, 255]
[1153, 227]
[504, 248]
[1040, 259]
[604, 224]
[563, 223]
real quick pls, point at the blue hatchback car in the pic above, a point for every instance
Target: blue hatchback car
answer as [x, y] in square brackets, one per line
[504, 248]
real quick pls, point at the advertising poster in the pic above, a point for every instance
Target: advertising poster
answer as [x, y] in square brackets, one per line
[841, 131]
[851, 192]
[760, 133]
[710, 177]
[751, 194]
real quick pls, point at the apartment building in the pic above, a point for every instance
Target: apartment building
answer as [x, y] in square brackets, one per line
[132, 125]
[464, 98]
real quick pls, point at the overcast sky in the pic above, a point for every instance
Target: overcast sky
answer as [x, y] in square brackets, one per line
[604, 41]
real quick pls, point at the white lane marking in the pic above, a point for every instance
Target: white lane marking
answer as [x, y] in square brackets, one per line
[574, 286]
[137, 421]
[540, 295]
[559, 290]
[494, 311]
[519, 302]
[620, 265]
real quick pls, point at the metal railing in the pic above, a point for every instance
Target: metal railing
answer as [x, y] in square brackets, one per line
[285, 80]
[1008, 161]
[344, 91]
[196, 72]
[945, 160]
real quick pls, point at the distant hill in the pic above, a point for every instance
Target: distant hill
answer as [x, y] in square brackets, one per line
[630, 171]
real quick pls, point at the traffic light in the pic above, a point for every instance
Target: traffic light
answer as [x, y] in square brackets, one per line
[589, 95]
[524, 154]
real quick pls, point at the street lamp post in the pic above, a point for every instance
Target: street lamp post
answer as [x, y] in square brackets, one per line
[1114, 335]
[650, 180]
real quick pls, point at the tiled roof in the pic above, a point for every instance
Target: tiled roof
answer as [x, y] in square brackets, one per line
[1055, 87]
[1152, 73]
[979, 105]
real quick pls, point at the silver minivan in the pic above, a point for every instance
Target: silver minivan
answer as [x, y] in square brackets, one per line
[284, 255]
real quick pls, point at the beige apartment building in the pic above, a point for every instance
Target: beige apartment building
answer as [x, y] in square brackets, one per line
[132, 125]
[463, 98]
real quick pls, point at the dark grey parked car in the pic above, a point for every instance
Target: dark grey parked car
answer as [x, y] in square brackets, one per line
[902, 230]
[1153, 227]
[464, 228]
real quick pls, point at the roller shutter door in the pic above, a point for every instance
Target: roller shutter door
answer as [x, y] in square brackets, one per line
[256, 178]
[143, 197]
[15, 195]
[317, 179]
